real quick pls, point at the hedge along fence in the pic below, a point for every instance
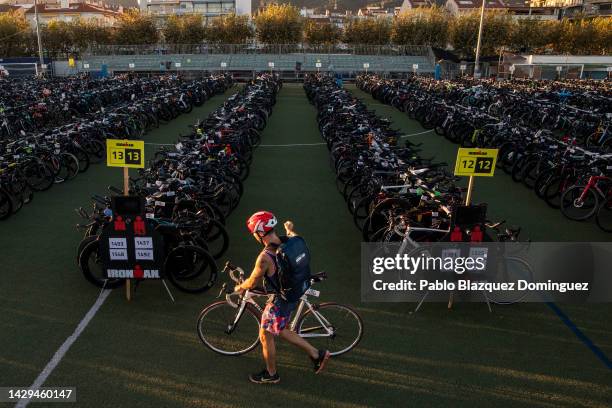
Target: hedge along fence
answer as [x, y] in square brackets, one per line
[281, 26]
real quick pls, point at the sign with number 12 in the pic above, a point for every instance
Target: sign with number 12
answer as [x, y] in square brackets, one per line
[476, 162]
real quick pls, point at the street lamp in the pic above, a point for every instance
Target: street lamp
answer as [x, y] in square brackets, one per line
[477, 61]
[40, 50]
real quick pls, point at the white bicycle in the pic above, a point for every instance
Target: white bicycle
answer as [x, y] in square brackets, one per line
[508, 268]
[231, 327]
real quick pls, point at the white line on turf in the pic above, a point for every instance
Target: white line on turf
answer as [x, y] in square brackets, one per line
[293, 145]
[297, 144]
[416, 134]
[61, 352]
[320, 144]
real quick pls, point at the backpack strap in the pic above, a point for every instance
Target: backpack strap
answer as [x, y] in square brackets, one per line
[272, 281]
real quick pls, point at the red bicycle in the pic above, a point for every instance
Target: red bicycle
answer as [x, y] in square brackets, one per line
[581, 202]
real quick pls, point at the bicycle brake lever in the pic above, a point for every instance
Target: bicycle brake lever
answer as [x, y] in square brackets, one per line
[222, 290]
[81, 211]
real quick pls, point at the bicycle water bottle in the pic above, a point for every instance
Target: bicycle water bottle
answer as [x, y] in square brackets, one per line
[476, 235]
[456, 235]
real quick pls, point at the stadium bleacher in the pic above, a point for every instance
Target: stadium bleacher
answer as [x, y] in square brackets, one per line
[260, 62]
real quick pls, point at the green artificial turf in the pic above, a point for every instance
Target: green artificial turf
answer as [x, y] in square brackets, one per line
[146, 353]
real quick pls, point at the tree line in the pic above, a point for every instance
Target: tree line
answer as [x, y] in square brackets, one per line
[282, 24]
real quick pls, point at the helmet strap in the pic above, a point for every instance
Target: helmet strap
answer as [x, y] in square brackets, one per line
[261, 236]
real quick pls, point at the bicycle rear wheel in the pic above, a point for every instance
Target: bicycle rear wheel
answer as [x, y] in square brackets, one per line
[216, 238]
[604, 216]
[224, 332]
[554, 189]
[38, 176]
[6, 205]
[334, 327]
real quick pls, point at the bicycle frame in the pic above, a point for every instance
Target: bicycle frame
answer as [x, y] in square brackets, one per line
[248, 298]
[604, 134]
[407, 240]
[593, 180]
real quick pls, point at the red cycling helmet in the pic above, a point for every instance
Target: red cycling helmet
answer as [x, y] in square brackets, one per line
[262, 222]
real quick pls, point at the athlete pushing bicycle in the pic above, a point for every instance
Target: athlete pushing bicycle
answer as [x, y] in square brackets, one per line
[277, 312]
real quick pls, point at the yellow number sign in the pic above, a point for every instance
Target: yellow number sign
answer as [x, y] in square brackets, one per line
[476, 162]
[125, 153]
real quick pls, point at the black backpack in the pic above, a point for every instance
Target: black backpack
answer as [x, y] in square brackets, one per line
[293, 261]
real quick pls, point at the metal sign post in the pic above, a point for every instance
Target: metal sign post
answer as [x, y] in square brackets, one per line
[475, 163]
[477, 73]
[271, 65]
[462, 68]
[415, 68]
[318, 65]
[366, 66]
[126, 154]
[43, 66]
[223, 66]
[511, 69]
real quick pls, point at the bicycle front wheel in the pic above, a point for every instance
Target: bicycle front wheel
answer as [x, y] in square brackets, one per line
[223, 330]
[510, 269]
[191, 269]
[334, 327]
[90, 263]
[578, 205]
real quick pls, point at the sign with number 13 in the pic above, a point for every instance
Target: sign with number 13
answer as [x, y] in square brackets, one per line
[125, 153]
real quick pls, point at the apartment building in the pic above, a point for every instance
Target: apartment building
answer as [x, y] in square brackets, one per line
[207, 8]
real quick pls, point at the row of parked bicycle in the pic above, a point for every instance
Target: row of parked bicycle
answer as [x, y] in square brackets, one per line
[29, 105]
[190, 189]
[565, 160]
[583, 117]
[35, 161]
[576, 95]
[392, 192]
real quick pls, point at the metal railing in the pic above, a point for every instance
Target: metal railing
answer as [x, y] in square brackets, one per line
[300, 48]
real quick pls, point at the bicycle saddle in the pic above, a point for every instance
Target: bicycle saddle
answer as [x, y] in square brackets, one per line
[318, 277]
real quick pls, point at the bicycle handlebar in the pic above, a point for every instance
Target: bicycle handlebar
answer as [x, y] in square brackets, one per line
[232, 270]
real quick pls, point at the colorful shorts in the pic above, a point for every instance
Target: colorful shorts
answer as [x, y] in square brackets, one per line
[276, 315]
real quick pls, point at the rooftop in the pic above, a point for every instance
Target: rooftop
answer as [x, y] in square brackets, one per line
[76, 8]
[470, 4]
